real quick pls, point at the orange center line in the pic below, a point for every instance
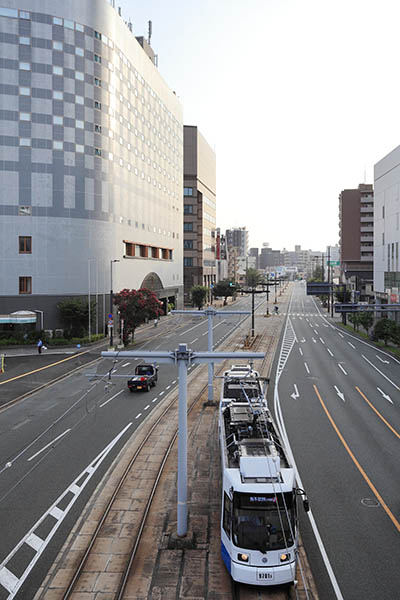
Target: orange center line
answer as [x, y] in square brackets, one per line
[359, 467]
[42, 368]
[378, 413]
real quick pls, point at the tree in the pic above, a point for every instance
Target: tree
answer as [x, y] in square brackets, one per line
[135, 307]
[74, 314]
[355, 319]
[224, 288]
[253, 278]
[199, 294]
[385, 329]
[317, 274]
[366, 319]
[343, 296]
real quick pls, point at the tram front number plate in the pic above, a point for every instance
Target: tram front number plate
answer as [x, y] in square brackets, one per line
[265, 575]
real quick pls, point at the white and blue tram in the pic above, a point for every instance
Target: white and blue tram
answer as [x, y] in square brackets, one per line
[259, 510]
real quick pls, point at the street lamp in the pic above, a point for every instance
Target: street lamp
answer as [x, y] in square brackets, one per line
[111, 300]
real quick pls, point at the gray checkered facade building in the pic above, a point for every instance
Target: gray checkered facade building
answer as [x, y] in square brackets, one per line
[91, 159]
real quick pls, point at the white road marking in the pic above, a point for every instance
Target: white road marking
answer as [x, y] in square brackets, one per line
[174, 381]
[341, 335]
[350, 344]
[114, 371]
[331, 353]
[125, 365]
[295, 394]
[205, 333]
[7, 579]
[112, 398]
[49, 444]
[386, 396]
[339, 393]
[168, 386]
[139, 415]
[301, 351]
[383, 374]
[306, 366]
[386, 362]
[146, 407]
[340, 367]
[193, 341]
[314, 340]
[194, 327]
[161, 393]
[155, 399]
[316, 332]
[50, 407]
[20, 424]
[322, 341]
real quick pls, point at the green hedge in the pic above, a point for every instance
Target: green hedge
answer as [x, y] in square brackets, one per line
[52, 341]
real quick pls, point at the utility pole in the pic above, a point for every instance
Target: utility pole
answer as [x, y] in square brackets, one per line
[252, 292]
[183, 357]
[210, 313]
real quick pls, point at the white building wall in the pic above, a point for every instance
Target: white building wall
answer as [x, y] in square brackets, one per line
[386, 220]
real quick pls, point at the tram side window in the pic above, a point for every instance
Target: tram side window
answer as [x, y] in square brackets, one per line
[227, 515]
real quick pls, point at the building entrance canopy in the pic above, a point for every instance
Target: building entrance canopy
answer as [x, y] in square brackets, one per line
[20, 317]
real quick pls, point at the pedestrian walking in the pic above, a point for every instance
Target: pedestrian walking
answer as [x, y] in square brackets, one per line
[155, 322]
[39, 346]
[276, 310]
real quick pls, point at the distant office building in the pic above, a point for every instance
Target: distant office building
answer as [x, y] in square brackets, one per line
[254, 252]
[221, 255]
[387, 227]
[356, 222]
[296, 258]
[91, 160]
[199, 211]
[270, 258]
[238, 238]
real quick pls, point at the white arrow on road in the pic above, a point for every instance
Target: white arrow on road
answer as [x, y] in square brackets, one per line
[303, 340]
[385, 395]
[339, 393]
[381, 359]
[295, 394]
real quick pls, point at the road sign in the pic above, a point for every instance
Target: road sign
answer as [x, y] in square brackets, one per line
[334, 263]
[318, 288]
[110, 317]
[110, 323]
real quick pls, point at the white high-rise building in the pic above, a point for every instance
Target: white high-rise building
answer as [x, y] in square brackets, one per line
[91, 159]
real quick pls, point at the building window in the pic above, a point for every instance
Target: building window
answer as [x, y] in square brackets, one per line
[25, 244]
[188, 191]
[24, 66]
[57, 70]
[188, 227]
[24, 116]
[97, 35]
[188, 209]
[79, 75]
[97, 82]
[79, 51]
[188, 262]
[25, 41]
[25, 285]
[97, 128]
[97, 151]
[97, 105]
[97, 58]
[25, 91]
[23, 14]
[188, 244]
[129, 249]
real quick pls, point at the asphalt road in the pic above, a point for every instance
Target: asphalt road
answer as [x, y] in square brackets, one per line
[339, 400]
[56, 444]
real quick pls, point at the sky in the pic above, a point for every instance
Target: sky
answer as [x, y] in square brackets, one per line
[298, 98]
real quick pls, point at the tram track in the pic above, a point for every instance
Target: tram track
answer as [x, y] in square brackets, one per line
[150, 492]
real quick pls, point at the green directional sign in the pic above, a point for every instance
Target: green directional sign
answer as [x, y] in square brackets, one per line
[333, 263]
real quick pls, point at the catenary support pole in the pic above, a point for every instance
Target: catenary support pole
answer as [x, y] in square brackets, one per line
[210, 365]
[182, 446]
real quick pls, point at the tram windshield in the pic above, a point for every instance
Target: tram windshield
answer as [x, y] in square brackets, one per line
[237, 391]
[263, 522]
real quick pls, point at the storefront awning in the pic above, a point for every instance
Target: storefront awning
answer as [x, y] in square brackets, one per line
[20, 316]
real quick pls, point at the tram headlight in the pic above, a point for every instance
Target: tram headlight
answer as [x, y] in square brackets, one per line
[243, 557]
[285, 557]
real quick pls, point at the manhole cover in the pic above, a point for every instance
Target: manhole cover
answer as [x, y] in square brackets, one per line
[370, 502]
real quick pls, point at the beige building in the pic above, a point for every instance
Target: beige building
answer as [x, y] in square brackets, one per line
[199, 260]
